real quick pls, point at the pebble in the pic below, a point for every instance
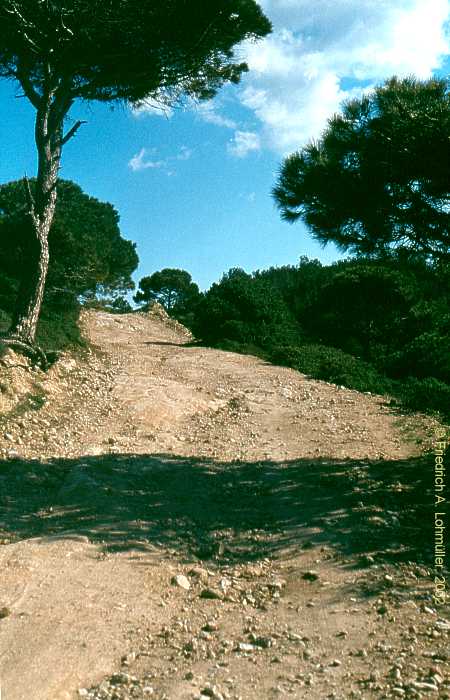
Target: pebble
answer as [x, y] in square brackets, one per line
[367, 560]
[295, 637]
[211, 594]
[129, 658]
[264, 642]
[211, 693]
[242, 646]
[181, 581]
[210, 627]
[310, 576]
[199, 573]
[421, 685]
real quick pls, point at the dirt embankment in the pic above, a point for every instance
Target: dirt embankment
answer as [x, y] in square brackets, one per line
[179, 522]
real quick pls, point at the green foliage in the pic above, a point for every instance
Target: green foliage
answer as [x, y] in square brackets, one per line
[8, 284]
[244, 309]
[88, 258]
[332, 365]
[129, 50]
[381, 326]
[242, 348]
[57, 329]
[172, 288]
[87, 250]
[361, 306]
[378, 176]
[427, 394]
[299, 285]
[120, 305]
[4, 321]
[113, 305]
[426, 355]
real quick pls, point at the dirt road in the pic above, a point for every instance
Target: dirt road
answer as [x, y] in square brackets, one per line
[179, 522]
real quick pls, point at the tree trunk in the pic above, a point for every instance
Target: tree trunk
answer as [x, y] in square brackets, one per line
[31, 290]
[48, 136]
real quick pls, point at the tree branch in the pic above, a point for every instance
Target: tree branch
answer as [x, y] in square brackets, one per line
[62, 101]
[23, 25]
[72, 131]
[28, 88]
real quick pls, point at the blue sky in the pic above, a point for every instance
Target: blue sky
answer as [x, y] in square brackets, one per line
[192, 186]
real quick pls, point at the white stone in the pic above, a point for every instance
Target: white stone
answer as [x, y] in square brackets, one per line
[181, 581]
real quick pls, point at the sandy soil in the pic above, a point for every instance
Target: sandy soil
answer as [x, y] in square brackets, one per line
[179, 522]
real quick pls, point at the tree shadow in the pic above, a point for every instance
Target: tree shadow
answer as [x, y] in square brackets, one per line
[238, 511]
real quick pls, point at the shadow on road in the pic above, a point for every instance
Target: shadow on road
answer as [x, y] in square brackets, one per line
[237, 511]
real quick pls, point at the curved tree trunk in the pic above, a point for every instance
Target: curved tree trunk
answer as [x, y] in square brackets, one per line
[31, 291]
[41, 205]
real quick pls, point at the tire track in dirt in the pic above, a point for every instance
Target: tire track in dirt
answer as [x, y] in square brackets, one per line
[295, 503]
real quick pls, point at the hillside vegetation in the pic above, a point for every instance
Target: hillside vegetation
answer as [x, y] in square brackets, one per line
[380, 326]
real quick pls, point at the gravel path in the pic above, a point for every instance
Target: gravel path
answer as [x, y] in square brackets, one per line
[179, 522]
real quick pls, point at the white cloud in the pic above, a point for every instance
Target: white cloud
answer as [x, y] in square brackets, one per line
[184, 154]
[319, 54]
[207, 111]
[296, 74]
[141, 162]
[243, 143]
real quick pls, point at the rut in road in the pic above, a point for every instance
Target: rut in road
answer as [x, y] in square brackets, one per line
[294, 502]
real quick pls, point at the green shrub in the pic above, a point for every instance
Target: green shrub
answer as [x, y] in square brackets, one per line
[332, 365]
[428, 355]
[4, 321]
[359, 306]
[427, 394]
[117, 305]
[245, 310]
[58, 330]
[242, 348]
